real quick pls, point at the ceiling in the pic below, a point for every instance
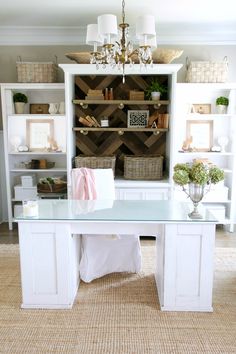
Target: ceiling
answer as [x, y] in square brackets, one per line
[64, 21]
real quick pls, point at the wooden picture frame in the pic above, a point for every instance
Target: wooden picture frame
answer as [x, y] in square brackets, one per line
[200, 133]
[39, 108]
[201, 108]
[39, 132]
[137, 118]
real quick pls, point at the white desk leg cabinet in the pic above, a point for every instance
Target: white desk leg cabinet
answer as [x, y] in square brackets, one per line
[50, 257]
[184, 267]
[49, 265]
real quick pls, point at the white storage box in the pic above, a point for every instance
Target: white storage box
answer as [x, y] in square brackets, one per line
[18, 209]
[25, 193]
[28, 181]
[217, 195]
[217, 210]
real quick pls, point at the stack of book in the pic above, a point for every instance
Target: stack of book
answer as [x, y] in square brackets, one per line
[89, 121]
[94, 95]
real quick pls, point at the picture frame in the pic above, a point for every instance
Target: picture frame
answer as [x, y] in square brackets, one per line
[200, 133]
[39, 108]
[39, 133]
[137, 118]
[201, 108]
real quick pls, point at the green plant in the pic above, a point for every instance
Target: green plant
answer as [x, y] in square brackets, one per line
[222, 101]
[198, 173]
[20, 97]
[155, 86]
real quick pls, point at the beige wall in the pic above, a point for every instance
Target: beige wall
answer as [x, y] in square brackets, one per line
[9, 54]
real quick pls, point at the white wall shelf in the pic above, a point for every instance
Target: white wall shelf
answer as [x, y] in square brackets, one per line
[189, 94]
[15, 126]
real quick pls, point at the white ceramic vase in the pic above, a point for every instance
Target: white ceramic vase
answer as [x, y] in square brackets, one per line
[221, 109]
[19, 107]
[156, 96]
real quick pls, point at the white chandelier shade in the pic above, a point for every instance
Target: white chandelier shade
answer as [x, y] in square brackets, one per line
[145, 25]
[107, 25]
[93, 37]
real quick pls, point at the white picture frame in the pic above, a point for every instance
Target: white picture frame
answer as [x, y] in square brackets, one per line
[200, 132]
[39, 132]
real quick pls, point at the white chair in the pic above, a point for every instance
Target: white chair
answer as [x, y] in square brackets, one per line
[105, 254]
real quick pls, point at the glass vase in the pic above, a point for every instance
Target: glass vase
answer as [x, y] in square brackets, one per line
[196, 193]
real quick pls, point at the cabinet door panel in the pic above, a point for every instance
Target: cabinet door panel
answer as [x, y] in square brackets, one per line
[156, 194]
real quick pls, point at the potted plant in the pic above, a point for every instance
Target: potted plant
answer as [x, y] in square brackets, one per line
[20, 99]
[198, 177]
[155, 90]
[222, 104]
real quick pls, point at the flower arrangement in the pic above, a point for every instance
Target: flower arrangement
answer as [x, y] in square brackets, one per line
[197, 173]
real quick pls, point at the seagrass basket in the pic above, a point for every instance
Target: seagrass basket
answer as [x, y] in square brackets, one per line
[36, 72]
[96, 162]
[143, 167]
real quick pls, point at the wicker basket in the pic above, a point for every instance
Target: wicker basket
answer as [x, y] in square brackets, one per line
[52, 188]
[143, 167]
[96, 162]
[207, 71]
[36, 72]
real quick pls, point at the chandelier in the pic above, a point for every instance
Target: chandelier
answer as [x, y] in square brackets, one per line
[116, 49]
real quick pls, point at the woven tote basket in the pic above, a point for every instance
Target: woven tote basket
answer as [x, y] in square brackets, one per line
[36, 72]
[96, 162]
[207, 71]
[143, 167]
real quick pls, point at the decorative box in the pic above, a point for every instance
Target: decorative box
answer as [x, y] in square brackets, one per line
[136, 95]
[18, 209]
[28, 181]
[25, 193]
[217, 210]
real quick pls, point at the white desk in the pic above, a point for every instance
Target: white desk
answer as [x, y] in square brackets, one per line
[50, 249]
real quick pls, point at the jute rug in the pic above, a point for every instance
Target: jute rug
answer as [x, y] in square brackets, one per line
[118, 314]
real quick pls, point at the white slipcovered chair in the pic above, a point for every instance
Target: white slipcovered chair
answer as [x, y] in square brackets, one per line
[105, 254]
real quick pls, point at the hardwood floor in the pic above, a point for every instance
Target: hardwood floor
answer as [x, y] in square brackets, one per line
[223, 238]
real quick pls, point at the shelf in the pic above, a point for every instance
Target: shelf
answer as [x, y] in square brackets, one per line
[38, 153]
[206, 153]
[118, 102]
[83, 130]
[35, 115]
[208, 116]
[55, 169]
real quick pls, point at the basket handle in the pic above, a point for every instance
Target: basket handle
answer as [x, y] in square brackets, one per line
[18, 58]
[226, 60]
[187, 63]
[56, 59]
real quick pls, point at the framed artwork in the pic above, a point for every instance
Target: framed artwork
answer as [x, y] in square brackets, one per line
[39, 133]
[202, 108]
[138, 118]
[200, 133]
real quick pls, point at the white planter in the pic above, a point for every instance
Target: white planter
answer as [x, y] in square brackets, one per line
[221, 109]
[19, 107]
[156, 96]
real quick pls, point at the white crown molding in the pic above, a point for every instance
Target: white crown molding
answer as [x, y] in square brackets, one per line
[171, 34]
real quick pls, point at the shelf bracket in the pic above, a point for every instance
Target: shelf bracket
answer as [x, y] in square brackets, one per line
[157, 106]
[156, 133]
[84, 105]
[84, 132]
[120, 132]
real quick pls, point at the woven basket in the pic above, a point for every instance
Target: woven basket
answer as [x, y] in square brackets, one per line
[36, 72]
[143, 167]
[207, 71]
[52, 188]
[96, 162]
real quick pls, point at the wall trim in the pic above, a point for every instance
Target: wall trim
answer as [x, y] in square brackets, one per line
[166, 34]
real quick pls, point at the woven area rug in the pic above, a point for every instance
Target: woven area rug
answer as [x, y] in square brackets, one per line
[118, 313]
